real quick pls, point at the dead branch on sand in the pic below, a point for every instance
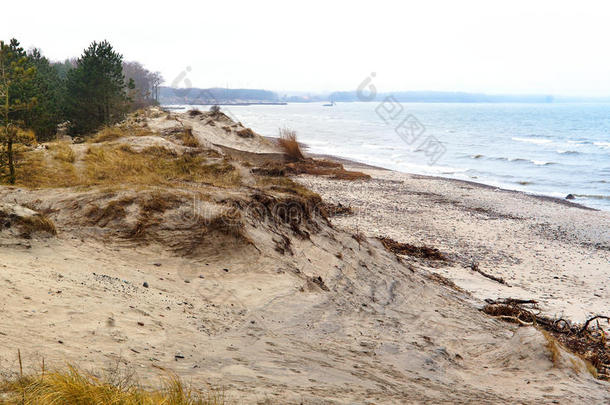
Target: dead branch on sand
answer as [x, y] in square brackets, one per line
[590, 344]
[475, 267]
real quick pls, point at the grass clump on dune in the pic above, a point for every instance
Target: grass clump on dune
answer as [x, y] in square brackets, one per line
[63, 152]
[77, 388]
[289, 144]
[108, 134]
[37, 223]
[188, 139]
[288, 186]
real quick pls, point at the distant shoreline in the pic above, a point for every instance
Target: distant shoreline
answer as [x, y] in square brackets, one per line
[174, 107]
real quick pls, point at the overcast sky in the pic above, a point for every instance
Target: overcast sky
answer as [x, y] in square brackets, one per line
[555, 47]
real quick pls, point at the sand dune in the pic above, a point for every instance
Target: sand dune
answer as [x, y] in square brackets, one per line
[300, 309]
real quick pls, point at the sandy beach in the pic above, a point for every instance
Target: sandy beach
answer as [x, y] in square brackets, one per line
[314, 312]
[544, 248]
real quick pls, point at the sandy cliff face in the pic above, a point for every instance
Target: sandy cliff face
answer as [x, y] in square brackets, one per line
[249, 286]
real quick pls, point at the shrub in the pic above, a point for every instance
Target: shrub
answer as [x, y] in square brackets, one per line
[193, 112]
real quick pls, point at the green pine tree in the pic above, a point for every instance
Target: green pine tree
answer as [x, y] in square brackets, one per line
[49, 89]
[16, 78]
[95, 89]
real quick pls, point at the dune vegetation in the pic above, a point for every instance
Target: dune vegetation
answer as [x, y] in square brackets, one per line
[75, 387]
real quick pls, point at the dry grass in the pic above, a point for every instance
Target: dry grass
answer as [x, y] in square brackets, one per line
[289, 144]
[155, 166]
[440, 279]
[77, 388]
[194, 113]
[63, 152]
[112, 211]
[553, 347]
[188, 139]
[115, 165]
[36, 224]
[314, 167]
[422, 252]
[108, 134]
[154, 204]
[158, 202]
[246, 133]
[34, 170]
[288, 186]
[224, 231]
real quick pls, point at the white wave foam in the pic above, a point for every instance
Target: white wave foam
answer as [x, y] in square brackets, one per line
[536, 141]
[603, 145]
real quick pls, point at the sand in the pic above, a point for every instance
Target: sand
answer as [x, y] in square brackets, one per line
[545, 249]
[325, 318]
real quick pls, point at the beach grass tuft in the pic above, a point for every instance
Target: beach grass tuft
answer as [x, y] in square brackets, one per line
[188, 139]
[37, 223]
[72, 386]
[289, 144]
[108, 134]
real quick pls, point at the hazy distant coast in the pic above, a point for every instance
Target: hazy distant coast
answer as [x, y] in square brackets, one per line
[228, 96]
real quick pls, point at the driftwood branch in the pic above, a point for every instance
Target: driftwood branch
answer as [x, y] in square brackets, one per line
[474, 266]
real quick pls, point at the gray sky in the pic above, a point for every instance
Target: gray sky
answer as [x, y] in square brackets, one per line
[514, 46]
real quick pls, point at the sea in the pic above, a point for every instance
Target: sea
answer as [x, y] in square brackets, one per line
[552, 149]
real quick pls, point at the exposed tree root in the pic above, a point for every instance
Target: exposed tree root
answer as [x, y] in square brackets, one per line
[588, 343]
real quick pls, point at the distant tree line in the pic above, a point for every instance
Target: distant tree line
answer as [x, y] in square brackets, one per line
[88, 92]
[441, 97]
[215, 95]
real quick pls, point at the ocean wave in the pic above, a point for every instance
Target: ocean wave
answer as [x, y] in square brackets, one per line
[593, 196]
[536, 141]
[523, 160]
[567, 152]
[603, 145]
